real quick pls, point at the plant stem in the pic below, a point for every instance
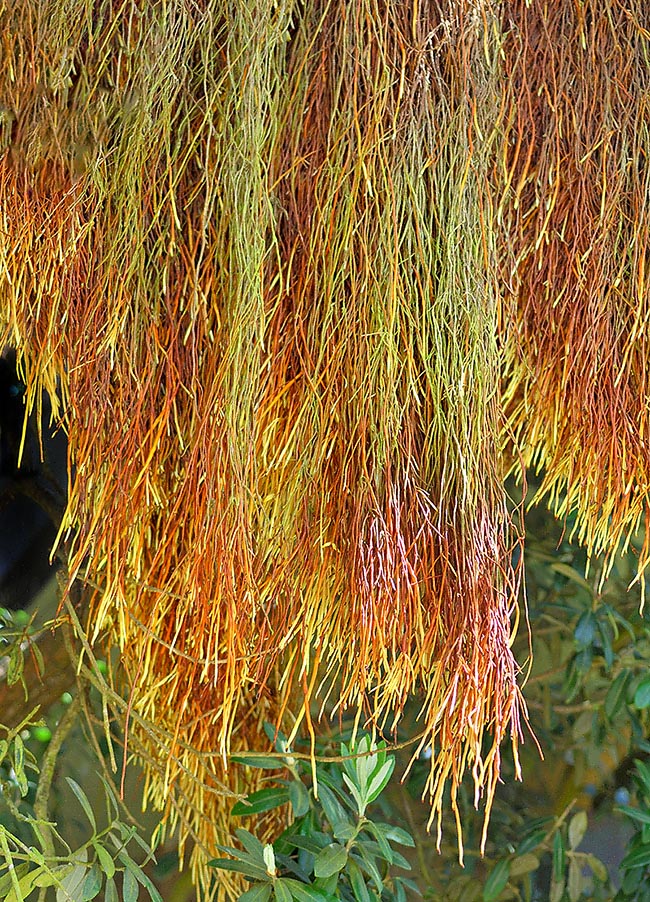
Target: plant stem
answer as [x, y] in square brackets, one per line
[46, 778]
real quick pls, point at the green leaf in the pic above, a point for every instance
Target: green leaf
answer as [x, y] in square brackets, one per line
[638, 858]
[278, 738]
[344, 832]
[126, 834]
[497, 880]
[379, 780]
[575, 881]
[557, 890]
[19, 765]
[571, 681]
[334, 811]
[140, 876]
[577, 829]
[6, 881]
[642, 694]
[303, 892]
[259, 892]
[536, 833]
[327, 885]
[72, 883]
[400, 862]
[92, 884]
[524, 864]
[382, 842]
[130, 887]
[36, 855]
[299, 798]
[598, 868]
[263, 800]
[308, 843]
[643, 773]
[370, 866]
[364, 765]
[330, 860]
[281, 890]
[396, 834]
[110, 797]
[16, 665]
[631, 880]
[585, 630]
[243, 855]
[411, 884]
[558, 857]
[637, 814]
[252, 845]
[357, 882]
[146, 848]
[105, 859]
[83, 801]
[110, 893]
[572, 574]
[348, 762]
[357, 794]
[583, 660]
[255, 872]
[606, 634]
[615, 697]
[50, 876]
[616, 619]
[24, 887]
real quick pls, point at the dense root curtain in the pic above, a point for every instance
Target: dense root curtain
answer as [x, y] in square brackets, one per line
[255, 245]
[386, 369]
[575, 220]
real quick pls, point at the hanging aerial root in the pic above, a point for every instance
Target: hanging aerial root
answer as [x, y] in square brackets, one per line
[575, 212]
[253, 248]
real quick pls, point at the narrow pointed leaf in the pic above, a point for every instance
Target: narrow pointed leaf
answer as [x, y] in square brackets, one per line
[497, 880]
[330, 860]
[264, 800]
[260, 892]
[83, 801]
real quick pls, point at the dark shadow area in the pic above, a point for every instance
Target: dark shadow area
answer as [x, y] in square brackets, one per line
[32, 491]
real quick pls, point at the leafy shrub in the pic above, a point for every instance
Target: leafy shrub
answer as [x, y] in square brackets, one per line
[635, 867]
[334, 849]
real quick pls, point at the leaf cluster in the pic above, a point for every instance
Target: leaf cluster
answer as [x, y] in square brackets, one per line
[16, 628]
[635, 867]
[333, 849]
[103, 862]
[574, 874]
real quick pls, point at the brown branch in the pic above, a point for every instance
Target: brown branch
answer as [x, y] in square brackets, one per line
[41, 689]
